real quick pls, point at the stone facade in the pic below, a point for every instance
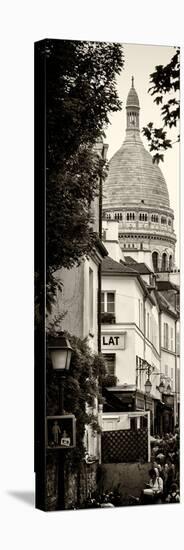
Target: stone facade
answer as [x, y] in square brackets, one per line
[78, 485]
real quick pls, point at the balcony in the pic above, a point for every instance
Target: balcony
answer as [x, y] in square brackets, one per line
[108, 318]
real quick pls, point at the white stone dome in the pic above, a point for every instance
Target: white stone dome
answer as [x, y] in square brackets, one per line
[134, 178]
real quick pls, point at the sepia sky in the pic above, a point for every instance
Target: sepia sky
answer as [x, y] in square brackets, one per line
[140, 61]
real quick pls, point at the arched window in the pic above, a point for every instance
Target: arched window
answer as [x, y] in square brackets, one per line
[170, 262]
[155, 261]
[169, 221]
[143, 217]
[164, 261]
[163, 220]
[130, 216]
[154, 218]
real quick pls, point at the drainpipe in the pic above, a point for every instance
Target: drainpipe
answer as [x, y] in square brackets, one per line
[144, 324]
[99, 267]
[103, 155]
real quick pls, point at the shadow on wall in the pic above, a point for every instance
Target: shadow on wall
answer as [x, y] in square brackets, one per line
[129, 478]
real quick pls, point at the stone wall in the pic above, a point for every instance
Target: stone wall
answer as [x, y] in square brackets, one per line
[51, 483]
[78, 486]
[129, 479]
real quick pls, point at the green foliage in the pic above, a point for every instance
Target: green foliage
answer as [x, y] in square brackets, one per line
[165, 81]
[80, 95]
[84, 383]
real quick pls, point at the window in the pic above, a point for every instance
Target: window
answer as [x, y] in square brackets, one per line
[90, 300]
[118, 216]
[139, 313]
[169, 221]
[110, 302]
[130, 216]
[148, 331]
[178, 343]
[170, 262]
[155, 261]
[140, 305]
[163, 220]
[102, 302]
[143, 217]
[107, 302]
[166, 335]
[154, 218]
[110, 363]
[172, 339]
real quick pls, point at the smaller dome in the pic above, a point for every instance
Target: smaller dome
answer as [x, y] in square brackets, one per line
[132, 99]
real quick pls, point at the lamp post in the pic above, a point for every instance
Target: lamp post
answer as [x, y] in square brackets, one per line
[60, 353]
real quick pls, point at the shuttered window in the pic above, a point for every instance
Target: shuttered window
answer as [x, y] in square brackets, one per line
[110, 363]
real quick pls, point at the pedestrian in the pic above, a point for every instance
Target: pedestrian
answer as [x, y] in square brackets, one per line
[153, 492]
[173, 495]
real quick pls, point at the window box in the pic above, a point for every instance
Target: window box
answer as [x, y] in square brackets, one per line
[108, 318]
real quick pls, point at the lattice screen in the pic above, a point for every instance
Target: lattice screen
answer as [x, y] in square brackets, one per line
[124, 446]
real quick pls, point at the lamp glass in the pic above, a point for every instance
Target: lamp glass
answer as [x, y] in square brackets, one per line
[59, 359]
[68, 359]
[60, 352]
[148, 386]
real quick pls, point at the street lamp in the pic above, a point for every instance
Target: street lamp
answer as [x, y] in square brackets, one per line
[60, 353]
[148, 386]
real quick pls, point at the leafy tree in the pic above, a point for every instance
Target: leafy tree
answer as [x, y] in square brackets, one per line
[80, 95]
[165, 81]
